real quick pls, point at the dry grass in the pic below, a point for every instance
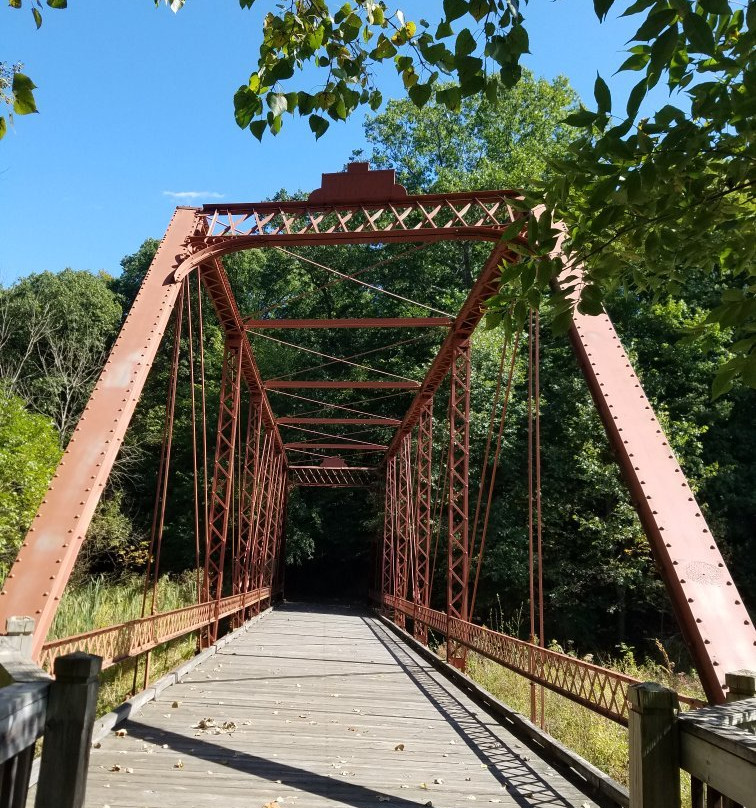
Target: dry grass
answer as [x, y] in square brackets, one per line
[100, 603]
[599, 740]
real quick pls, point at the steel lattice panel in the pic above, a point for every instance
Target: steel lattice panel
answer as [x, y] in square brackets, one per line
[320, 477]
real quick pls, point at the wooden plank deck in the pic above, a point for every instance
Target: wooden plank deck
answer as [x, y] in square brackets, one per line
[315, 709]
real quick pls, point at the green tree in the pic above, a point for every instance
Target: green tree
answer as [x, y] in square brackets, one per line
[55, 330]
[29, 453]
[506, 143]
[642, 199]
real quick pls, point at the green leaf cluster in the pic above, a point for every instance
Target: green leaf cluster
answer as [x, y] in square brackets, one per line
[649, 202]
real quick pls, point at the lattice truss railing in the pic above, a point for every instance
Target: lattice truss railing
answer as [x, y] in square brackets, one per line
[323, 477]
[603, 691]
[491, 210]
[128, 640]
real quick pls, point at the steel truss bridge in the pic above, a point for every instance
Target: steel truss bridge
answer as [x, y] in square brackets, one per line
[241, 487]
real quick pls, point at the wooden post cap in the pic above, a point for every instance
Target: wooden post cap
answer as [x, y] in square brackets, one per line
[651, 697]
[77, 667]
[741, 685]
[19, 625]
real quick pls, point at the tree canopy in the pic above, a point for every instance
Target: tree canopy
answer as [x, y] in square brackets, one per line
[645, 201]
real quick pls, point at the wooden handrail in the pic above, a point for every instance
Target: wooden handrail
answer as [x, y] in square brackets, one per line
[715, 745]
[62, 710]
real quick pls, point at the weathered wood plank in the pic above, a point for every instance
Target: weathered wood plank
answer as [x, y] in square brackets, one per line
[68, 732]
[320, 710]
[22, 716]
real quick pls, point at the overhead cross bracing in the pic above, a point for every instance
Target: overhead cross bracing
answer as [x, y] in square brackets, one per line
[243, 467]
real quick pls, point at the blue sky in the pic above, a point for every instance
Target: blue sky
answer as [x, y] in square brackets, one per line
[136, 108]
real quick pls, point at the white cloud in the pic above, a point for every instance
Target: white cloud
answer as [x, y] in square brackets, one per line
[193, 194]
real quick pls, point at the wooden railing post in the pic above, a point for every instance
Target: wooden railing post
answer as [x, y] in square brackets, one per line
[654, 747]
[68, 732]
[740, 685]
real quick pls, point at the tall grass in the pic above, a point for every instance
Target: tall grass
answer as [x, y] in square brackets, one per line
[599, 740]
[101, 602]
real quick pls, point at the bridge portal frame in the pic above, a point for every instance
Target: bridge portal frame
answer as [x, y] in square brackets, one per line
[369, 207]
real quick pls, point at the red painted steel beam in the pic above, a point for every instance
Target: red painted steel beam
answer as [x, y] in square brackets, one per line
[222, 491]
[368, 447]
[458, 569]
[371, 469]
[314, 385]
[296, 207]
[341, 421]
[321, 477]
[359, 322]
[466, 322]
[423, 516]
[356, 206]
[41, 570]
[389, 530]
[706, 601]
[216, 283]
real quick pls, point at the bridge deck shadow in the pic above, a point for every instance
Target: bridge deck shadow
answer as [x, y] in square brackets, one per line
[313, 709]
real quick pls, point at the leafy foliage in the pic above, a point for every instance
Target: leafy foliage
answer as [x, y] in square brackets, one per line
[29, 452]
[55, 330]
[650, 203]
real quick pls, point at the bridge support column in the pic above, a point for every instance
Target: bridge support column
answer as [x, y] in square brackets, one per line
[389, 526]
[257, 541]
[221, 496]
[458, 569]
[248, 494]
[423, 528]
[405, 523]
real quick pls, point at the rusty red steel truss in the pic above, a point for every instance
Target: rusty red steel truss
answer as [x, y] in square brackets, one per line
[241, 528]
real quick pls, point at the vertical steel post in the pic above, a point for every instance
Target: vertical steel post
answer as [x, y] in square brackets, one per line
[423, 527]
[389, 522]
[255, 563]
[221, 496]
[268, 524]
[405, 523]
[248, 493]
[458, 569]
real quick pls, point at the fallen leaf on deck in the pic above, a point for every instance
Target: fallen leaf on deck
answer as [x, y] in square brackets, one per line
[115, 768]
[179, 764]
[399, 747]
[120, 733]
[176, 704]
